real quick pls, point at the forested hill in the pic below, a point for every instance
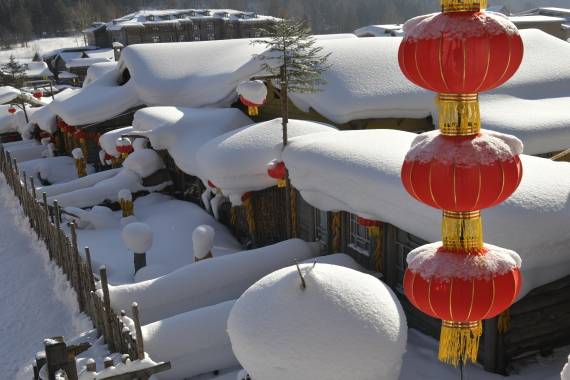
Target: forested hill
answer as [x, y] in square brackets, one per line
[26, 19]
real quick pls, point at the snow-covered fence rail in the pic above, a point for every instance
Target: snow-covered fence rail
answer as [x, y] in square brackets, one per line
[46, 221]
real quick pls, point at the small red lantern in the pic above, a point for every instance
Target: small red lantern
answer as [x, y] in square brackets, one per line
[278, 171]
[38, 94]
[125, 149]
[463, 173]
[460, 52]
[211, 184]
[12, 110]
[252, 94]
[367, 222]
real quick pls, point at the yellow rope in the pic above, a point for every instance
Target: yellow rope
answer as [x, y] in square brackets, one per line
[376, 233]
[336, 232]
[233, 217]
[80, 167]
[249, 215]
[293, 213]
[504, 322]
[127, 207]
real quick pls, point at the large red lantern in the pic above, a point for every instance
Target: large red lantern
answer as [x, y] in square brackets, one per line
[462, 174]
[461, 170]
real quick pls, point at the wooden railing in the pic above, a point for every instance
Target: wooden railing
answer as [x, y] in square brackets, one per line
[92, 292]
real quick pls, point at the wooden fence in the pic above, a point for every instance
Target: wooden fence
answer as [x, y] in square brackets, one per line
[92, 291]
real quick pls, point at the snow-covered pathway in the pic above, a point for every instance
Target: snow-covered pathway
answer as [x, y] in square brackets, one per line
[35, 300]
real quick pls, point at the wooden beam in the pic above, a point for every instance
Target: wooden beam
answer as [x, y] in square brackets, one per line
[141, 373]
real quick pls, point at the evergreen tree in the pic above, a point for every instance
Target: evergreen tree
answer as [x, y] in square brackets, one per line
[297, 62]
[13, 70]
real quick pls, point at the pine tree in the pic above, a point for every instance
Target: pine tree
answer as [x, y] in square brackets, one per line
[295, 60]
[14, 70]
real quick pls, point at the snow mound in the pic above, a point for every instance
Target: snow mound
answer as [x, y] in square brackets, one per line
[236, 162]
[8, 93]
[125, 195]
[431, 260]
[486, 148]
[97, 70]
[97, 218]
[195, 342]
[208, 282]
[203, 241]
[343, 325]
[565, 374]
[144, 162]
[137, 237]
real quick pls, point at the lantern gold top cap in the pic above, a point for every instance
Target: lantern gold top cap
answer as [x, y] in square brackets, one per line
[463, 5]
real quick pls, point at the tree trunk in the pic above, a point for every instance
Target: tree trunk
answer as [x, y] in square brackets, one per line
[284, 122]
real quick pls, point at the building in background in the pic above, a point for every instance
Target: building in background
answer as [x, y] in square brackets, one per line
[554, 21]
[178, 25]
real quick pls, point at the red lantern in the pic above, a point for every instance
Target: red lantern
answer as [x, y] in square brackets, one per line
[462, 173]
[125, 149]
[45, 135]
[38, 94]
[460, 52]
[278, 171]
[486, 286]
[246, 197]
[12, 110]
[367, 222]
[252, 94]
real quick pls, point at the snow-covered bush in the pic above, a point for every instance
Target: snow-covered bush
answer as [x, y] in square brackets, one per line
[343, 325]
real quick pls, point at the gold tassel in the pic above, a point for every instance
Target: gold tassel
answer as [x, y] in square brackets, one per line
[127, 207]
[459, 115]
[459, 342]
[336, 232]
[80, 167]
[462, 232]
[463, 5]
[253, 111]
[293, 213]
[83, 145]
[247, 203]
[233, 217]
[376, 233]
[504, 322]
[281, 183]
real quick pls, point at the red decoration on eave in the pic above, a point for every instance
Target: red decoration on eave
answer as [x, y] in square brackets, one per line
[211, 184]
[38, 94]
[463, 300]
[44, 135]
[247, 196]
[80, 134]
[12, 110]
[125, 149]
[367, 222]
[461, 52]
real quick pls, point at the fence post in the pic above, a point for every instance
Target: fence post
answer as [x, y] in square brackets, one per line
[107, 306]
[77, 267]
[58, 358]
[89, 269]
[138, 331]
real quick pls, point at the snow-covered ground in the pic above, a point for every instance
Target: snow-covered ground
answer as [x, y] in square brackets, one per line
[36, 301]
[43, 45]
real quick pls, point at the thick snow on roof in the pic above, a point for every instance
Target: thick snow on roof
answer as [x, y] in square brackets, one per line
[106, 53]
[236, 162]
[209, 76]
[37, 69]
[44, 116]
[11, 122]
[99, 101]
[66, 75]
[359, 172]
[97, 70]
[183, 131]
[532, 19]
[390, 30]
[8, 93]
[85, 62]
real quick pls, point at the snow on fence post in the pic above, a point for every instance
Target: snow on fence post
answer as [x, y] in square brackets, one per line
[138, 331]
[58, 358]
[203, 242]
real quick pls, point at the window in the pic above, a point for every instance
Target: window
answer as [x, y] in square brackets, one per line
[155, 39]
[211, 36]
[196, 38]
[257, 34]
[358, 239]
[404, 243]
[181, 37]
[196, 28]
[321, 226]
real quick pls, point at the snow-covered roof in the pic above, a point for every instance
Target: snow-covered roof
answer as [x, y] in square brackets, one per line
[97, 70]
[175, 16]
[359, 172]
[236, 162]
[100, 53]
[44, 116]
[8, 93]
[85, 62]
[11, 122]
[37, 70]
[183, 131]
[66, 75]
[389, 30]
[533, 19]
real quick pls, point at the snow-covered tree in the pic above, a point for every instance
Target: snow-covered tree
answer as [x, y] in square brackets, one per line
[13, 70]
[294, 59]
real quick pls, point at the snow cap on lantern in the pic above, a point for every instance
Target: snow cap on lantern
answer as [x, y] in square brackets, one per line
[252, 93]
[343, 325]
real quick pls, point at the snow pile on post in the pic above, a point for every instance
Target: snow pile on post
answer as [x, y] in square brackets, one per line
[195, 342]
[236, 162]
[203, 241]
[359, 172]
[319, 322]
[137, 237]
[182, 131]
[208, 282]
